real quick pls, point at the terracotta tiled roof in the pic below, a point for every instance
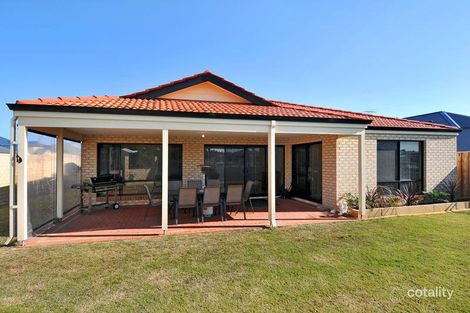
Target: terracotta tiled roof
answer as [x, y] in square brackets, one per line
[278, 109]
[377, 120]
[185, 106]
[267, 109]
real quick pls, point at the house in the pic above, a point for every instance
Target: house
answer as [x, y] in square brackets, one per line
[169, 132]
[451, 119]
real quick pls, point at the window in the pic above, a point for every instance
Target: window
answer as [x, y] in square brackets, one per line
[239, 164]
[400, 163]
[139, 162]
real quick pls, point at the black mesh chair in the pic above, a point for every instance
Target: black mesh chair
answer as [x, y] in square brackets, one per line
[194, 184]
[213, 182]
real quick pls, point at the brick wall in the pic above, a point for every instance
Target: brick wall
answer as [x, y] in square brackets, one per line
[440, 157]
[339, 157]
[329, 186]
[347, 165]
[193, 151]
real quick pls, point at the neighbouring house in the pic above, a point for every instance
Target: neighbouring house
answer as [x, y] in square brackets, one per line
[4, 170]
[451, 119]
[167, 133]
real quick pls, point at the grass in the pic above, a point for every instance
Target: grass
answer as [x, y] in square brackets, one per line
[357, 266]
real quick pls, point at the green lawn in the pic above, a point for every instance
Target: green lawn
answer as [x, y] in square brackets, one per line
[356, 266]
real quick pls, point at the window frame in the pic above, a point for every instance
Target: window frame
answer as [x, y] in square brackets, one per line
[398, 181]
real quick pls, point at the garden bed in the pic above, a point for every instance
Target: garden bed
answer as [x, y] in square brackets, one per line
[417, 209]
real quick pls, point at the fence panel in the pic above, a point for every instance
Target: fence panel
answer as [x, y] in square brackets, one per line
[463, 173]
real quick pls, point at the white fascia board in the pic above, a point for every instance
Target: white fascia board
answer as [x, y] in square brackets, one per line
[122, 121]
[408, 132]
[285, 127]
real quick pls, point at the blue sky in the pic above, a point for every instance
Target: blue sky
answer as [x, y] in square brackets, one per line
[396, 58]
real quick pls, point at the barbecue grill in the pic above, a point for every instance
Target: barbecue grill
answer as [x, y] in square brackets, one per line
[101, 184]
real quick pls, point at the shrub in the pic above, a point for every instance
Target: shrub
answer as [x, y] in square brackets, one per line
[437, 197]
[377, 197]
[392, 201]
[352, 200]
[408, 194]
[450, 186]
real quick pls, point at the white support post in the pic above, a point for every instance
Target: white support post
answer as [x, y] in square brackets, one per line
[272, 175]
[12, 202]
[362, 175]
[22, 210]
[60, 174]
[165, 181]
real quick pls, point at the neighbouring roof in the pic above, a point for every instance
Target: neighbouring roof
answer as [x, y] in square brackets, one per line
[451, 119]
[152, 101]
[4, 142]
[4, 145]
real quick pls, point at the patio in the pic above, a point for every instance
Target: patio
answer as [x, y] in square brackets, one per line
[130, 222]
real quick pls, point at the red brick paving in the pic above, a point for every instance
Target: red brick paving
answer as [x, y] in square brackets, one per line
[130, 222]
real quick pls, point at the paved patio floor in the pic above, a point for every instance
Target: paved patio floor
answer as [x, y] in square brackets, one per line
[132, 222]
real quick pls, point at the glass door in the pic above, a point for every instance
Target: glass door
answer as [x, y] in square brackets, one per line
[239, 164]
[255, 169]
[307, 171]
[300, 171]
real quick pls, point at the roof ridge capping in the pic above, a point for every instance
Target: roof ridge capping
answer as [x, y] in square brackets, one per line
[188, 81]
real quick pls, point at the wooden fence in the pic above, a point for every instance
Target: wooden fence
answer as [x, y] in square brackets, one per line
[463, 173]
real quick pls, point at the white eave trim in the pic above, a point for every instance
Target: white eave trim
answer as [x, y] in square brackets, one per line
[411, 132]
[125, 121]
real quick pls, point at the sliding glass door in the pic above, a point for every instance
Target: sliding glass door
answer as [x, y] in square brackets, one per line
[239, 164]
[307, 171]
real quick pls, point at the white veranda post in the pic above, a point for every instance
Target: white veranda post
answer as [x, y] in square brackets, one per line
[60, 174]
[361, 178]
[165, 180]
[272, 174]
[22, 210]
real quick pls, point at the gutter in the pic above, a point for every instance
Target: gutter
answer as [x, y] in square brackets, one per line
[446, 130]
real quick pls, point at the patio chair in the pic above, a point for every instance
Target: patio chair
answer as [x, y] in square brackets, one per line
[173, 189]
[213, 182]
[247, 194]
[235, 197]
[151, 202]
[194, 184]
[187, 199]
[211, 198]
